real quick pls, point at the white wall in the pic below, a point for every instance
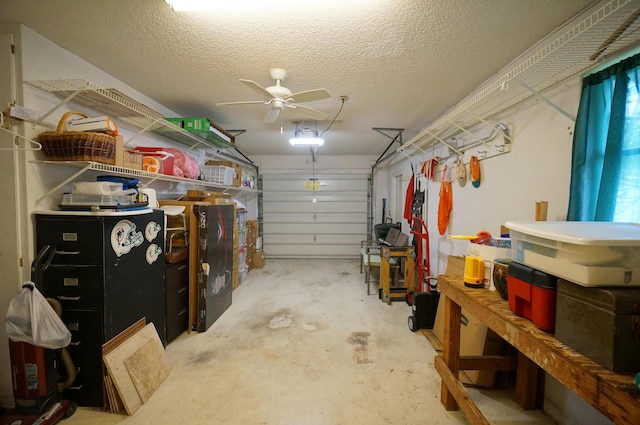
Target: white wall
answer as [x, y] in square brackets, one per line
[536, 169]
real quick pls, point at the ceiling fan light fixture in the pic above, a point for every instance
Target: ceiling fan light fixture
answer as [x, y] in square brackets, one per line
[306, 138]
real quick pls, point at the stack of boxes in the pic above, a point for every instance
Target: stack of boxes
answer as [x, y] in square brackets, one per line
[255, 256]
[582, 277]
[242, 267]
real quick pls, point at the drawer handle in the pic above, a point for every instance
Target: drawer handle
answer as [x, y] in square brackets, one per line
[68, 252]
[75, 343]
[182, 267]
[77, 387]
[65, 298]
[181, 291]
[182, 313]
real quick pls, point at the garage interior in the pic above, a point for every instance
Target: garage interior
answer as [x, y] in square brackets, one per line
[392, 88]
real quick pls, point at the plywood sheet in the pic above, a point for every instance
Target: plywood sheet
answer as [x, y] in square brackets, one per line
[112, 397]
[115, 362]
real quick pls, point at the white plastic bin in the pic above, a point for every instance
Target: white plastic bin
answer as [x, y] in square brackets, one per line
[586, 253]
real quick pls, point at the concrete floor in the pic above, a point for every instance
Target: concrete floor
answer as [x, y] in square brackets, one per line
[303, 344]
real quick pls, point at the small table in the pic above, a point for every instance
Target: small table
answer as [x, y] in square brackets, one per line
[615, 396]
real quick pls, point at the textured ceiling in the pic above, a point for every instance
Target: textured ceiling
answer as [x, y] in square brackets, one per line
[401, 63]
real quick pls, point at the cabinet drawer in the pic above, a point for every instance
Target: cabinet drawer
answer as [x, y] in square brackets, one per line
[177, 322]
[177, 299]
[86, 389]
[76, 287]
[76, 241]
[177, 275]
[86, 330]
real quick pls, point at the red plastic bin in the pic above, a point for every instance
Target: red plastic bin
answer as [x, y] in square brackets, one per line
[166, 159]
[532, 294]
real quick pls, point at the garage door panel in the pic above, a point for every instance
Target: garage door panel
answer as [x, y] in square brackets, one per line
[313, 229]
[310, 207]
[328, 217]
[304, 239]
[311, 251]
[301, 183]
[296, 227]
[321, 196]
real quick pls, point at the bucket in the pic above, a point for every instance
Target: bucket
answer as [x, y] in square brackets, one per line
[382, 229]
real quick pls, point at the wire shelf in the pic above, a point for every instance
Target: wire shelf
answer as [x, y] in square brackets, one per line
[119, 106]
[560, 56]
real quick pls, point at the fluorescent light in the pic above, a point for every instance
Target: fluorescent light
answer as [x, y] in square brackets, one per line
[306, 141]
[306, 137]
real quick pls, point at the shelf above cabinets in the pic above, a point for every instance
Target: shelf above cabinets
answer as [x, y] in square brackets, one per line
[85, 166]
[119, 106]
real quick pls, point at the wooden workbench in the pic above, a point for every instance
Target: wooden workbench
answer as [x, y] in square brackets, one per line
[615, 396]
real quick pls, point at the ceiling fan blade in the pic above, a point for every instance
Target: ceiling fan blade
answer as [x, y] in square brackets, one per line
[248, 102]
[310, 95]
[257, 87]
[309, 112]
[271, 115]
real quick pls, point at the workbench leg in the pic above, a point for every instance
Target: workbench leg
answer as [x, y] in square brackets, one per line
[409, 274]
[384, 274]
[527, 381]
[451, 348]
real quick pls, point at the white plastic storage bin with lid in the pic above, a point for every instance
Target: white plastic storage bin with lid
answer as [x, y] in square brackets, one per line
[588, 253]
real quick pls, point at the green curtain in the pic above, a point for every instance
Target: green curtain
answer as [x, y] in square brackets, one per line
[605, 168]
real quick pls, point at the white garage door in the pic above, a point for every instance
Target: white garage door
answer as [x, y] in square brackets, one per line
[296, 227]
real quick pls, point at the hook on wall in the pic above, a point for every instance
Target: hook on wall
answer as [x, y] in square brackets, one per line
[483, 154]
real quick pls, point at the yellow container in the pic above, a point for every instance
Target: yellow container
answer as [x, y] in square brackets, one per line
[473, 271]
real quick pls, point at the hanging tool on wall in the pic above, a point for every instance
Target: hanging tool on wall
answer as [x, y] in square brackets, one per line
[408, 201]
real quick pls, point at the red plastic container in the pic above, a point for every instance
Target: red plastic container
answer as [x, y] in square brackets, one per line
[165, 159]
[532, 294]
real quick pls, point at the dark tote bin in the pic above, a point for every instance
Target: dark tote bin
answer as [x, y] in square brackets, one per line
[601, 323]
[424, 306]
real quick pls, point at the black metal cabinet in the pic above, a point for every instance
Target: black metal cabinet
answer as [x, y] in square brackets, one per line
[107, 272]
[177, 299]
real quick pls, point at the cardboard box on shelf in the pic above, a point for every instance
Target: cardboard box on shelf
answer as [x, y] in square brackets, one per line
[127, 158]
[192, 193]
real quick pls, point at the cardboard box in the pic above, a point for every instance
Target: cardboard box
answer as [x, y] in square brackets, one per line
[257, 261]
[127, 158]
[192, 193]
[475, 337]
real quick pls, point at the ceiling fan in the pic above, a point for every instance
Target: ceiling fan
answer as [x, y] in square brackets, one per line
[279, 97]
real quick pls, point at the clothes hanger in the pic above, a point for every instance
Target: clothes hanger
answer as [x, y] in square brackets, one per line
[3, 127]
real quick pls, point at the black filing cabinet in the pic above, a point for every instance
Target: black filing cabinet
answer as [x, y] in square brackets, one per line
[177, 299]
[107, 272]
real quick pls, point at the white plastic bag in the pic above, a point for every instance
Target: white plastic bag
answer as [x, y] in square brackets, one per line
[30, 318]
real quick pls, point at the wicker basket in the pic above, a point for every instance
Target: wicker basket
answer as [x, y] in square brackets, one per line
[61, 145]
